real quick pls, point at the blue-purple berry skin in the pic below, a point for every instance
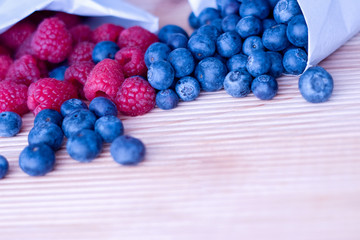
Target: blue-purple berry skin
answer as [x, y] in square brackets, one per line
[249, 26]
[58, 73]
[187, 88]
[277, 67]
[294, 61]
[228, 44]
[237, 62]
[155, 52]
[102, 106]
[4, 166]
[48, 115]
[103, 50]
[229, 23]
[268, 23]
[193, 21]
[275, 39]
[272, 3]
[167, 30]
[109, 127]
[207, 15]
[201, 46]
[217, 24]
[177, 40]
[211, 72]
[10, 124]
[252, 44]
[78, 120]
[297, 31]
[210, 31]
[258, 63]
[182, 62]
[71, 105]
[316, 85]
[167, 99]
[238, 84]
[161, 75]
[228, 7]
[256, 8]
[84, 146]
[46, 133]
[127, 150]
[285, 10]
[264, 87]
[37, 160]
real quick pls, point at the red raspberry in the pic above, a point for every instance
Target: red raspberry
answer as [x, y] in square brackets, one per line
[13, 97]
[136, 37]
[70, 20]
[4, 51]
[25, 47]
[49, 93]
[104, 80]
[52, 41]
[16, 35]
[5, 63]
[132, 60]
[78, 72]
[81, 33]
[82, 52]
[107, 32]
[24, 70]
[135, 97]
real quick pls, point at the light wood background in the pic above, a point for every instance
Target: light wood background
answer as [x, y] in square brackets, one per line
[216, 168]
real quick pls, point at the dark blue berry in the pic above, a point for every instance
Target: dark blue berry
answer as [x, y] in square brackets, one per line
[127, 150]
[78, 120]
[207, 15]
[104, 49]
[71, 105]
[58, 73]
[37, 160]
[228, 7]
[228, 44]
[167, 30]
[252, 44]
[238, 84]
[46, 133]
[102, 106]
[276, 68]
[187, 88]
[48, 115]
[193, 21]
[316, 85]
[109, 127]
[167, 99]
[4, 166]
[211, 72]
[256, 8]
[258, 63]
[217, 24]
[84, 146]
[272, 3]
[264, 87]
[210, 31]
[275, 38]
[10, 124]
[294, 61]
[297, 31]
[237, 62]
[155, 52]
[161, 75]
[249, 26]
[284, 10]
[229, 23]
[201, 46]
[177, 40]
[268, 23]
[182, 61]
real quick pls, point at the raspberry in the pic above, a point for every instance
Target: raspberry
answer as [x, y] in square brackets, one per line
[49, 93]
[70, 20]
[106, 32]
[132, 60]
[25, 47]
[52, 41]
[78, 72]
[135, 97]
[5, 63]
[81, 33]
[81, 52]
[13, 97]
[16, 35]
[136, 37]
[24, 70]
[104, 80]
[4, 51]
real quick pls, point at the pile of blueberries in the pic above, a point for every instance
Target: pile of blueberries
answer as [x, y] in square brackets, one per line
[242, 46]
[86, 129]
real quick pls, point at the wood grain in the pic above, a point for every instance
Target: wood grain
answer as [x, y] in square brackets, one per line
[216, 168]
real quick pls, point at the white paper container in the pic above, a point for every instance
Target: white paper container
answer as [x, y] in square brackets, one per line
[114, 11]
[330, 24]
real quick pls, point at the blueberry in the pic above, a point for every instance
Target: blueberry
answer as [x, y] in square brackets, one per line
[182, 61]
[275, 38]
[284, 10]
[294, 61]
[238, 84]
[177, 40]
[256, 8]
[272, 3]
[155, 52]
[10, 124]
[237, 62]
[84, 146]
[228, 7]
[252, 44]
[201, 46]
[109, 127]
[104, 49]
[58, 73]
[221, 58]
[167, 99]
[4, 166]
[217, 24]
[228, 44]
[268, 23]
[71, 105]
[187, 88]
[258, 63]
[102, 106]
[127, 150]
[249, 26]
[210, 31]
[276, 68]
[207, 15]
[78, 120]
[46, 133]
[48, 115]
[161, 75]
[264, 87]
[37, 160]
[167, 30]
[211, 72]
[316, 85]
[297, 31]
[193, 21]
[229, 23]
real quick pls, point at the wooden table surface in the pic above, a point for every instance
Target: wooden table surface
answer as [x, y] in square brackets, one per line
[216, 168]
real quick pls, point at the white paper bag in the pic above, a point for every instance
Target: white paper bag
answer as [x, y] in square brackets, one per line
[331, 23]
[115, 11]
